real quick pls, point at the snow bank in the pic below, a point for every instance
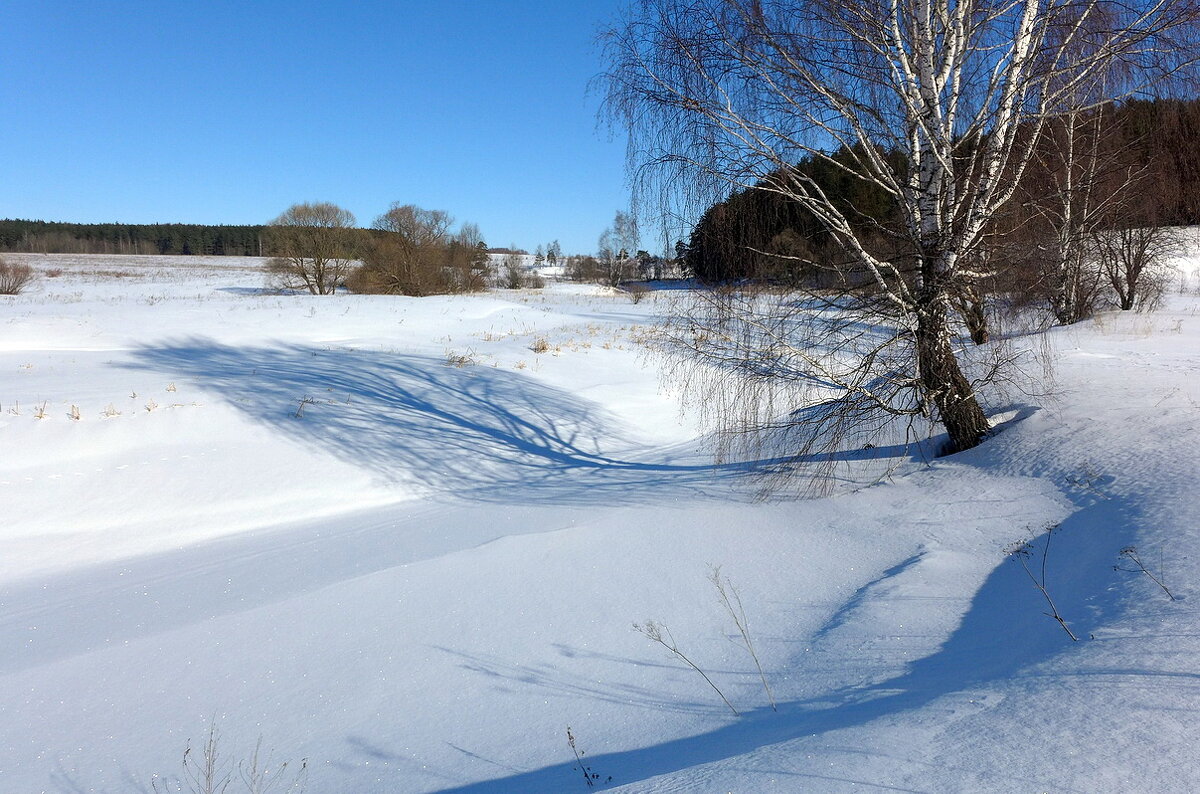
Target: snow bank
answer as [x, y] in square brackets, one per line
[388, 537]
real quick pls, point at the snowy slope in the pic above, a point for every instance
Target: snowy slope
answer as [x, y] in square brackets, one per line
[386, 536]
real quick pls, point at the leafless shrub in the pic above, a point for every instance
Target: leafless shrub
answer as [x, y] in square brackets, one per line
[412, 251]
[582, 268]
[304, 401]
[54, 272]
[460, 360]
[636, 290]
[512, 272]
[206, 772]
[1134, 262]
[14, 278]
[1087, 478]
[261, 776]
[540, 345]
[659, 633]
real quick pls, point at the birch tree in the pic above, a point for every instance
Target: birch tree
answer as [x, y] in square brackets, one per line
[615, 248]
[936, 102]
[1075, 211]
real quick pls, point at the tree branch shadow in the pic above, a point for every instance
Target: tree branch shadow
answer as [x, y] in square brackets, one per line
[477, 433]
[1002, 637]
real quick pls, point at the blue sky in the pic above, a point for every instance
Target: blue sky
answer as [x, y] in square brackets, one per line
[229, 112]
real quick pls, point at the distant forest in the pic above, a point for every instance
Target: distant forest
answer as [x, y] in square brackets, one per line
[44, 237]
[758, 234]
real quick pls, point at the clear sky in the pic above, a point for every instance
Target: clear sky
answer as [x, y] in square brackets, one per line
[211, 111]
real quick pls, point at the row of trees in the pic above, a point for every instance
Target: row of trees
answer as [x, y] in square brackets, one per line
[550, 255]
[408, 250]
[1083, 220]
[318, 247]
[42, 237]
[618, 258]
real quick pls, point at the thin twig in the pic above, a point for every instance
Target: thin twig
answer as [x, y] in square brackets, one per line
[1021, 552]
[724, 589]
[1131, 553]
[654, 631]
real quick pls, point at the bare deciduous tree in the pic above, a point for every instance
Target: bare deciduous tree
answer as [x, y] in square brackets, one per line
[314, 247]
[1076, 213]
[1095, 218]
[1134, 262]
[513, 270]
[936, 102]
[415, 252]
[583, 269]
[1080, 181]
[615, 249]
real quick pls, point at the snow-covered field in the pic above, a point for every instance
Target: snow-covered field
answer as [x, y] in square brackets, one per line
[386, 536]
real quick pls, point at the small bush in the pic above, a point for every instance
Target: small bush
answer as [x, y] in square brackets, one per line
[460, 360]
[636, 291]
[14, 278]
[512, 272]
[540, 345]
[366, 281]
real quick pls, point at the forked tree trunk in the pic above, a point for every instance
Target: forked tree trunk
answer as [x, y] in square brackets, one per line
[975, 314]
[973, 309]
[943, 379]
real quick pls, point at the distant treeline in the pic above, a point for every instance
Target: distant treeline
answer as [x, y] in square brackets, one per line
[758, 234]
[44, 237]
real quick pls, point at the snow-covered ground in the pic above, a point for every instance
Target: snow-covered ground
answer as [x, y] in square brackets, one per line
[386, 536]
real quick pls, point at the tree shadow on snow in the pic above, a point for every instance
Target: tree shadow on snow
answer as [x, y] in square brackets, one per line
[1004, 636]
[497, 436]
[476, 432]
